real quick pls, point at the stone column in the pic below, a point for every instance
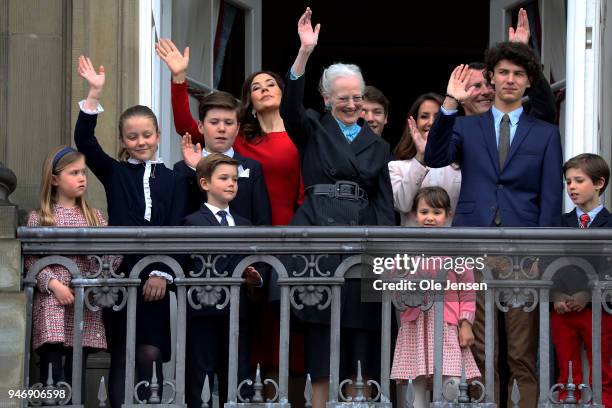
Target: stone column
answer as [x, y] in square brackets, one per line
[12, 300]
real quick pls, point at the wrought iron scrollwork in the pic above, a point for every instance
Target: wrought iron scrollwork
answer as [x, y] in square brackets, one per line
[606, 297]
[209, 267]
[154, 387]
[258, 387]
[463, 386]
[571, 388]
[311, 295]
[208, 295]
[514, 298]
[49, 391]
[359, 386]
[412, 298]
[311, 266]
[105, 267]
[518, 268]
[105, 297]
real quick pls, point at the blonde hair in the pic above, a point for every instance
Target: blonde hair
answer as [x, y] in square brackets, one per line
[48, 191]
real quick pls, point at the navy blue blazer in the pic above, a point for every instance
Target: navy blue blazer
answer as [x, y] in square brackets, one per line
[602, 220]
[528, 190]
[205, 218]
[251, 201]
[570, 279]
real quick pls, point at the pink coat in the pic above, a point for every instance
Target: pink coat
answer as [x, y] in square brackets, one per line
[458, 304]
[51, 321]
[407, 178]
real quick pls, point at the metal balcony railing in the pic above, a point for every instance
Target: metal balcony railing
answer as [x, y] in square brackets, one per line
[518, 284]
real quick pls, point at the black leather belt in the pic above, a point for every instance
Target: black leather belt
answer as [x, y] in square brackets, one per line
[346, 190]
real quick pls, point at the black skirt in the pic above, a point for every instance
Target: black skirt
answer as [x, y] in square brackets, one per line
[152, 318]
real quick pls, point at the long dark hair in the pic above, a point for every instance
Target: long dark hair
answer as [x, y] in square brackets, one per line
[249, 125]
[405, 148]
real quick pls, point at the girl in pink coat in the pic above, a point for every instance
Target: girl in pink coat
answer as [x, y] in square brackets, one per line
[63, 204]
[414, 350]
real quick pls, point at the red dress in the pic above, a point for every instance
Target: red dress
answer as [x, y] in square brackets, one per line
[51, 321]
[280, 162]
[278, 156]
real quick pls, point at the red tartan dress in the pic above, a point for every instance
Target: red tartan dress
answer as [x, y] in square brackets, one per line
[52, 322]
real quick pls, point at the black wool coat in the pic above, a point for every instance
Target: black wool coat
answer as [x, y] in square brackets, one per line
[328, 157]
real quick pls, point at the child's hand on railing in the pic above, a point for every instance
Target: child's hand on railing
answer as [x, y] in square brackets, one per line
[154, 288]
[561, 307]
[63, 293]
[251, 276]
[578, 301]
[466, 335]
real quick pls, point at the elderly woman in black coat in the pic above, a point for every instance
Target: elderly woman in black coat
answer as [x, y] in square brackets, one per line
[346, 180]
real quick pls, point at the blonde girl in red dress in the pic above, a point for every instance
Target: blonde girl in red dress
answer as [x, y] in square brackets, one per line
[414, 357]
[63, 204]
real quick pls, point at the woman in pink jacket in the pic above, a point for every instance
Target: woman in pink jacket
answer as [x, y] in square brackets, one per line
[414, 349]
[408, 173]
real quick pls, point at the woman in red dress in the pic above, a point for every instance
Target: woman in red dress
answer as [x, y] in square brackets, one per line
[262, 134]
[263, 138]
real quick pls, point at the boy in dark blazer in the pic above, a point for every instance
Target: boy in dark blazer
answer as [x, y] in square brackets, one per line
[586, 177]
[219, 124]
[207, 326]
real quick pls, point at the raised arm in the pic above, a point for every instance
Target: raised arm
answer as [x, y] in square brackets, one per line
[292, 109]
[84, 132]
[308, 41]
[443, 143]
[541, 98]
[177, 63]
[94, 79]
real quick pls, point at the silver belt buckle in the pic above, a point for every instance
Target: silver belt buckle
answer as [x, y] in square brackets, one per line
[343, 187]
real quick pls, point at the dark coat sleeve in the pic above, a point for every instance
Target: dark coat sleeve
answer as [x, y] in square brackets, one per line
[192, 193]
[444, 141]
[542, 100]
[293, 112]
[100, 163]
[383, 203]
[262, 213]
[551, 179]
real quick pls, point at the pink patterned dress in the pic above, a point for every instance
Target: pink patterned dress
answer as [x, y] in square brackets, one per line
[51, 321]
[414, 349]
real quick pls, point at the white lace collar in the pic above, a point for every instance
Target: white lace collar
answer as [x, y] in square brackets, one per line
[146, 177]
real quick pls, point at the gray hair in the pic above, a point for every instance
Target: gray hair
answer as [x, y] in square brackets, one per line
[338, 70]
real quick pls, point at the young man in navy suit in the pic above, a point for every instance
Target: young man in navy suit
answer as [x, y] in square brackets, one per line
[208, 327]
[586, 177]
[219, 124]
[510, 162]
[511, 174]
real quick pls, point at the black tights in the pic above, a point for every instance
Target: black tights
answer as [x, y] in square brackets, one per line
[145, 356]
[52, 353]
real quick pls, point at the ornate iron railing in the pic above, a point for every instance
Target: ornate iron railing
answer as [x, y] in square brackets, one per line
[518, 285]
